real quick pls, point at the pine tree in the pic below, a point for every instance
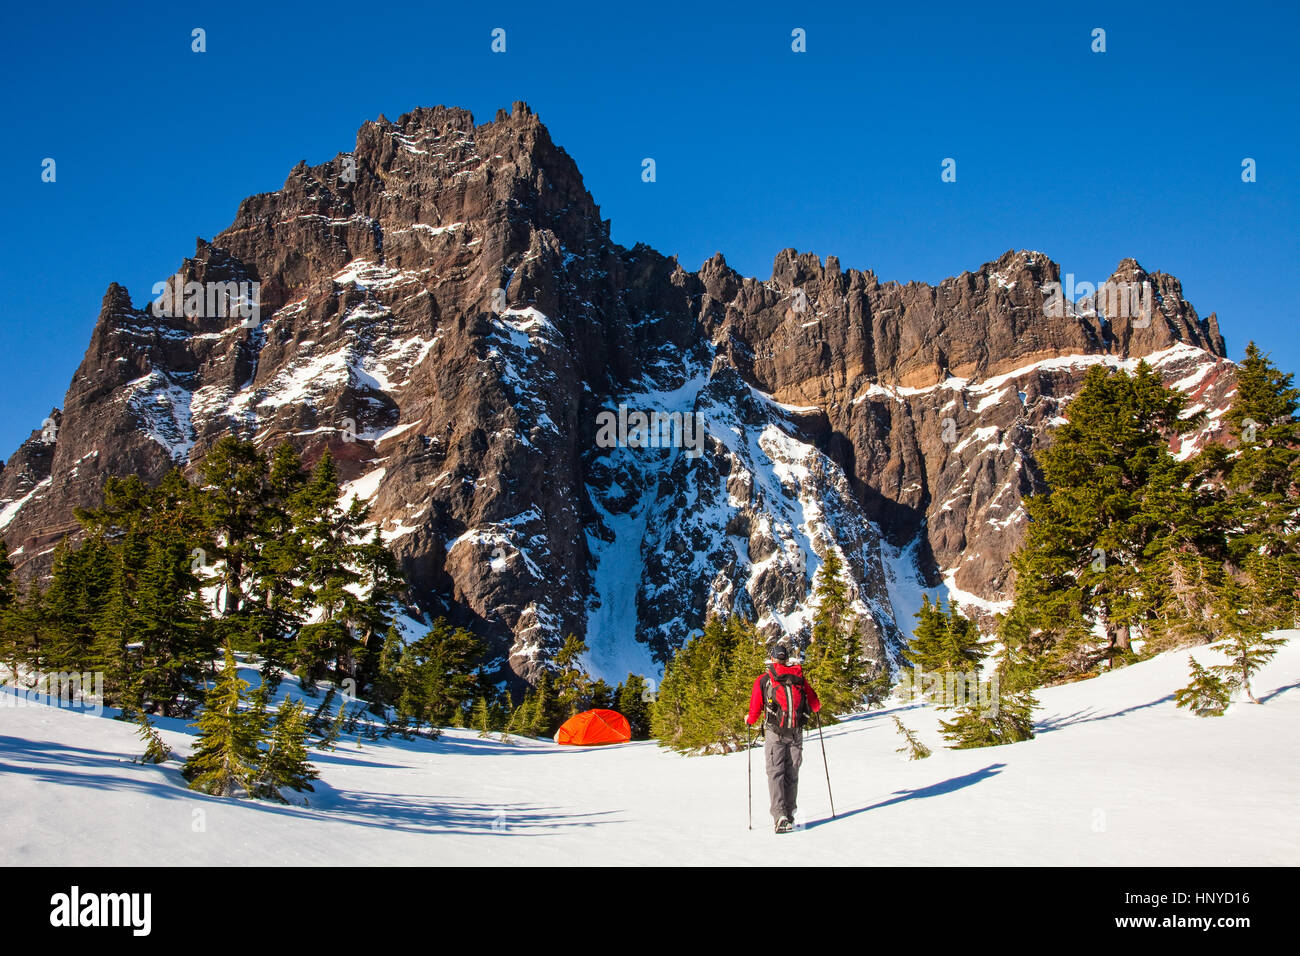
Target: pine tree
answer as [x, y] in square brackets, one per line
[878, 687]
[343, 560]
[337, 726]
[1248, 650]
[156, 749]
[1094, 537]
[80, 590]
[539, 714]
[912, 745]
[387, 685]
[945, 645]
[285, 764]
[573, 685]
[1208, 695]
[833, 663]
[601, 696]
[170, 625]
[632, 701]
[435, 676]
[1001, 709]
[25, 629]
[226, 754]
[233, 477]
[275, 607]
[325, 722]
[480, 719]
[704, 696]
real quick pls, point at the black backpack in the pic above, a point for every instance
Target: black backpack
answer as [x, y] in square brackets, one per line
[786, 699]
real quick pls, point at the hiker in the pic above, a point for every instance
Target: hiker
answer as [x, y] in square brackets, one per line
[782, 694]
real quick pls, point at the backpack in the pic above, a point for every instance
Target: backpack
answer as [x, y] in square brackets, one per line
[786, 702]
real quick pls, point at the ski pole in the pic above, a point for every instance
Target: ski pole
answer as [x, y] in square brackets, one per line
[824, 764]
[749, 777]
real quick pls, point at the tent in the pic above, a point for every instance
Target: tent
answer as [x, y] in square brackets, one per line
[594, 727]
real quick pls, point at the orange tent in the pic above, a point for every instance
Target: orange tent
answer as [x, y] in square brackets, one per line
[594, 727]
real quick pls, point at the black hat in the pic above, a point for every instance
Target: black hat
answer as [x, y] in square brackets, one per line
[781, 653]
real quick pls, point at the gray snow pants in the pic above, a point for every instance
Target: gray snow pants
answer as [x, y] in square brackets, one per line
[783, 752]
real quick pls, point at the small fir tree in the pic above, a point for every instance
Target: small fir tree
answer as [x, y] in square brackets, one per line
[912, 745]
[156, 749]
[226, 755]
[285, 765]
[1208, 695]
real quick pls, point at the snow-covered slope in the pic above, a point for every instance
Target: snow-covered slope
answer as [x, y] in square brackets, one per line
[1117, 775]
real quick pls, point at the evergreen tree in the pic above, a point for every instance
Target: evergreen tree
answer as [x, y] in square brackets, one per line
[233, 479]
[944, 645]
[1001, 709]
[573, 685]
[25, 631]
[912, 745]
[1251, 611]
[704, 696]
[1208, 695]
[322, 723]
[878, 687]
[275, 607]
[337, 725]
[343, 560]
[631, 699]
[285, 764]
[480, 718]
[226, 754]
[1089, 558]
[435, 675]
[539, 714]
[81, 588]
[602, 696]
[170, 625]
[834, 664]
[387, 687]
[156, 749]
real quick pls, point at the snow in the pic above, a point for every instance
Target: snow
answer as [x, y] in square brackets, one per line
[164, 411]
[1116, 776]
[10, 511]
[363, 488]
[903, 582]
[433, 230]
[1175, 353]
[613, 651]
[967, 599]
[765, 397]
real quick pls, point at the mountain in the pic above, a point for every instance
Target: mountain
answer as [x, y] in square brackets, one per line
[443, 309]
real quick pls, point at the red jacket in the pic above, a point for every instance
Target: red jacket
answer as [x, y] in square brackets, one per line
[756, 698]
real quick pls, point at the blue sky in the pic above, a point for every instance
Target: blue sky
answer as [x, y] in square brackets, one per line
[1088, 157]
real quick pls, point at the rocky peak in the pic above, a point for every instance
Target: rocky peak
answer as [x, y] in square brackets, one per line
[442, 308]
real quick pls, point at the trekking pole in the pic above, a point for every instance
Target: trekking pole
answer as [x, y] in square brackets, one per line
[824, 765]
[749, 777]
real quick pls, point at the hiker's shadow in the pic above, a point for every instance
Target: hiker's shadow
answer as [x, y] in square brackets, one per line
[950, 785]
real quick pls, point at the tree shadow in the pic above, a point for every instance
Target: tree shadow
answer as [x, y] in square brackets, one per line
[1277, 692]
[64, 765]
[951, 785]
[1046, 725]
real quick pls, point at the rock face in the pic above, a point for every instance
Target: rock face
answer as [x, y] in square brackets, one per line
[443, 308]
